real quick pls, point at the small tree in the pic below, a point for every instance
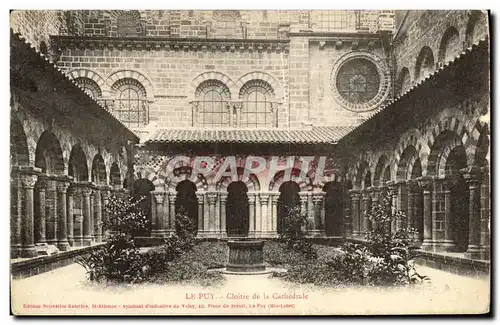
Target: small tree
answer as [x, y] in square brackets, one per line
[391, 249]
[294, 230]
[124, 216]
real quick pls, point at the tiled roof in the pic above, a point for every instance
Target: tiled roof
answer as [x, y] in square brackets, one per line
[314, 135]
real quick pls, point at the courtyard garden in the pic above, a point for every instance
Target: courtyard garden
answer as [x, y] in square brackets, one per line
[386, 259]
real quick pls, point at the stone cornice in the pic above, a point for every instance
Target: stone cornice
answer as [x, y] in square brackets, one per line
[173, 44]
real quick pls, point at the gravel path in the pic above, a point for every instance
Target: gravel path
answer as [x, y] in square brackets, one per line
[65, 291]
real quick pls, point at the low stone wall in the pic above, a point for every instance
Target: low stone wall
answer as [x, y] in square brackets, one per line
[41, 264]
[453, 264]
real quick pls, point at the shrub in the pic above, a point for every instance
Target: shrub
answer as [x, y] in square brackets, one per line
[293, 232]
[118, 261]
[125, 216]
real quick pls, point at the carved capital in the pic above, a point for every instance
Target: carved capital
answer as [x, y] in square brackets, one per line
[211, 197]
[472, 175]
[159, 197]
[41, 183]
[425, 183]
[28, 181]
[62, 186]
[264, 197]
[238, 105]
[251, 198]
[318, 197]
[200, 196]
[195, 105]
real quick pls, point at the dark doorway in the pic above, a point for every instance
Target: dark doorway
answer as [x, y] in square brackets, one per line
[288, 199]
[237, 213]
[142, 191]
[187, 203]
[333, 209]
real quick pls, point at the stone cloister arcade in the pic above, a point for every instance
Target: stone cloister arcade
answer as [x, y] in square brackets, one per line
[439, 177]
[239, 207]
[58, 194]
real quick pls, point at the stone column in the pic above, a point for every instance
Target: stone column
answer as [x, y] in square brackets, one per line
[51, 216]
[274, 214]
[87, 235]
[16, 208]
[426, 184]
[41, 186]
[206, 215]
[485, 213]
[62, 235]
[310, 214]
[375, 195]
[217, 216]
[223, 202]
[199, 197]
[262, 231]
[69, 220]
[413, 212]
[160, 228]
[393, 192]
[92, 213]
[366, 208]
[78, 223]
[251, 214]
[211, 198]
[28, 179]
[303, 207]
[98, 215]
[448, 243]
[105, 201]
[402, 202]
[318, 206]
[172, 196]
[258, 215]
[472, 177]
[356, 231]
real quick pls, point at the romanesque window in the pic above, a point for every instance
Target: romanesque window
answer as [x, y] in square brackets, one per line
[425, 63]
[257, 109]
[450, 45]
[127, 25]
[89, 86]
[130, 102]
[335, 19]
[358, 81]
[212, 108]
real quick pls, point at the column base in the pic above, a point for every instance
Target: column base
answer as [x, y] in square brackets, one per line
[15, 251]
[427, 245]
[78, 241]
[316, 233]
[445, 245]
[473, 252]
[28, 251]
[87, 241]
[63, 246]
[208, 234]
[43, 249]
[162, 233]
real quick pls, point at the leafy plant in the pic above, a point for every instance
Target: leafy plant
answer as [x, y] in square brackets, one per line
[124, 216]
[118, 261]
[293, 232]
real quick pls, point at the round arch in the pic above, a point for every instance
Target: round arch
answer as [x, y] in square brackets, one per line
[98, 171]
[78, 167]
[49, 155]
[278, 90]
[19, 153]
[134, 75]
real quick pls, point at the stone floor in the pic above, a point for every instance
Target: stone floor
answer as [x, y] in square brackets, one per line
[65, 291]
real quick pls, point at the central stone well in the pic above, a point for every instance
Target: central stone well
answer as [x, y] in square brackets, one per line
[246, 256]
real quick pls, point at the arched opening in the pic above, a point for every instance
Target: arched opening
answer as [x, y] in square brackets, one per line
[367, 180]
[450, 45]
[141, 190]
[78, 164]
[186, 202]
[418, 201]
[98, 174]
[19, 154]
[114, 176]
[48, 154]
[474, 29]
[237, 212]
[425, 63]
[43, 48]
[459, 210]
[289, 199]
[404, 81]
[380, 171]
[333, 209]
